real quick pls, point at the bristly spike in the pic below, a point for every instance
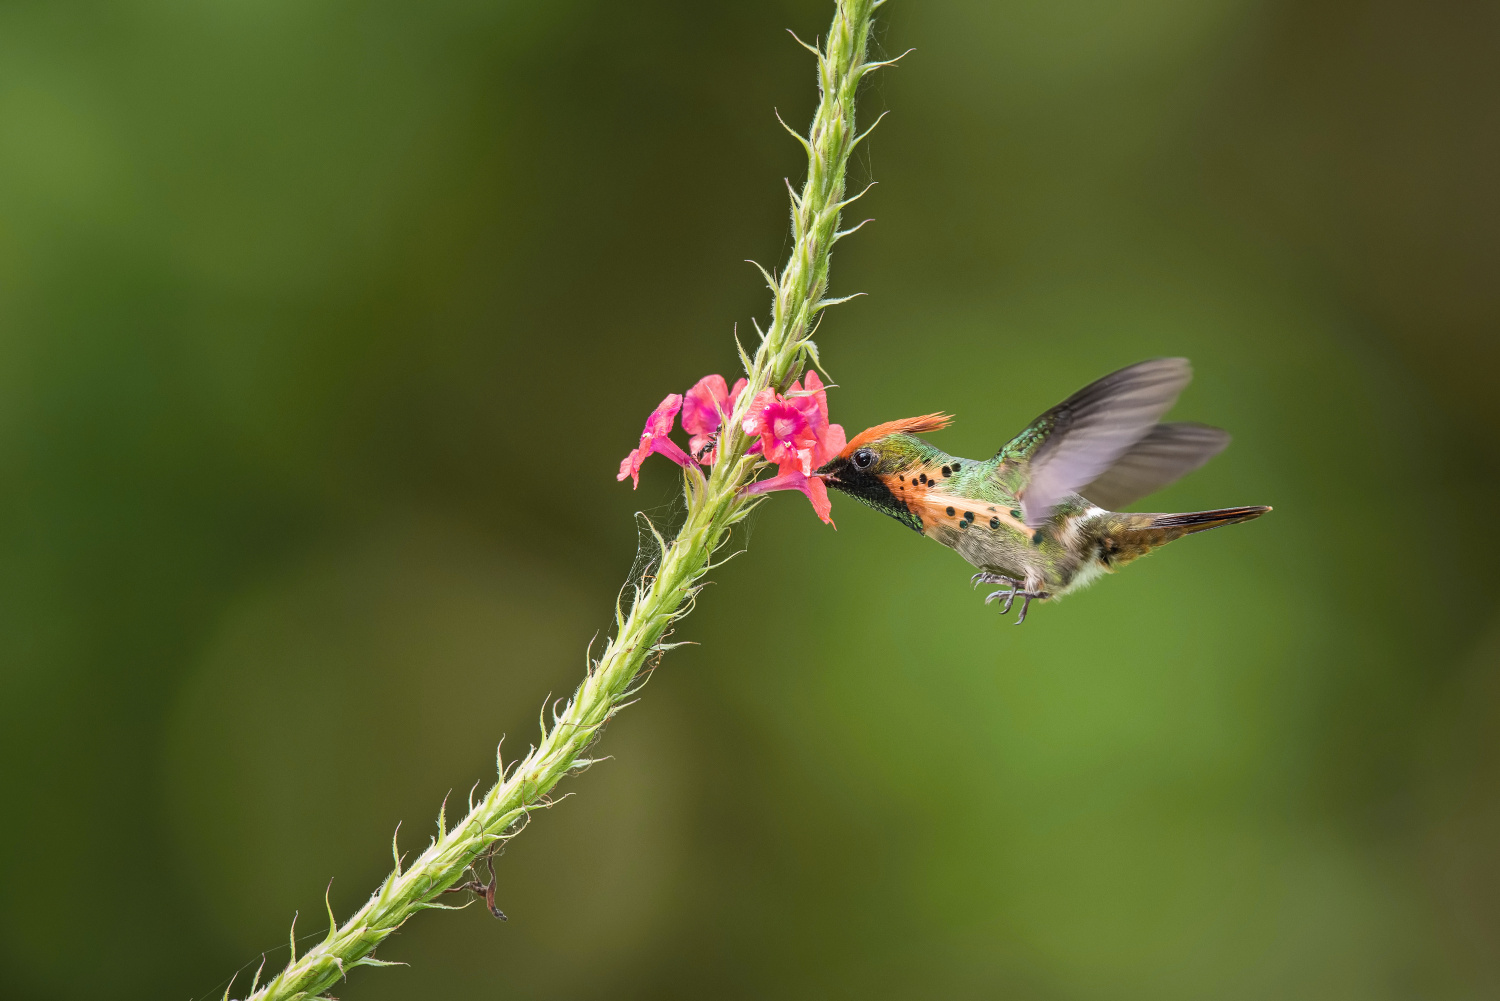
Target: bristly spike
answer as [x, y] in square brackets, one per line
[850, 201]
[660, 542]
[473, 789]
[851, 230]
[770, 279]
[255, 984]
[811, 347]
[432, 905]
[499, 758]
[882, 63]
[541, 716]
[861, 137]
[588, 656]
[817, 325]
[396, 851]
[823, 304]
[443, 815]
[333, 924]
[800, 42]
[806, 146]
[292, 939]
[231, 985]
[744, 358]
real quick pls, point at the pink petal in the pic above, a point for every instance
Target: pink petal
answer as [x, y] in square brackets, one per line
[631, 466]
[754, 422]
[704, 409]
[654, 439]
[669, 448]
[831, 444]
[660, 421]
[812, 486]
[816, 390]
[700, 411]
[782, 481]
[817, 492]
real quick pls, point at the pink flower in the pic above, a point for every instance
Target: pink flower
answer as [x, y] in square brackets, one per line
[794, 429]
[795, 434]
[785, 427]
[654, 439]
[703, 410]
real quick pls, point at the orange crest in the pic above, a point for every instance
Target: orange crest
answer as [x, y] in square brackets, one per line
[907, 425]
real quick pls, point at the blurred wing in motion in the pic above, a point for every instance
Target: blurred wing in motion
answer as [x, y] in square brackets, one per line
[1167, 453]
[1074, 443]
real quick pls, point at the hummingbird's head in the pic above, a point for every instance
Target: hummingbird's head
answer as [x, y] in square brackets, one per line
[876, 458]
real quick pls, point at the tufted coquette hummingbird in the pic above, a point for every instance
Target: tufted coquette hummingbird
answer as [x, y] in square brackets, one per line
[1039, 517]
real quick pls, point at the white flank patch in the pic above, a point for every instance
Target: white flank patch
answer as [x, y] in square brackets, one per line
[1086, 575]
[1091, 569]
[1069, 534]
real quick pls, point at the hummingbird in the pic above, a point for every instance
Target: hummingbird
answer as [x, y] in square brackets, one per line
[1040, 518]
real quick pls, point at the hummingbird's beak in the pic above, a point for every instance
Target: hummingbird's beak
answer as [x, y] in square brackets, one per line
[826, 472]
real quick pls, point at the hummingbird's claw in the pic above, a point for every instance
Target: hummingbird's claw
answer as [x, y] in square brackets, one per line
[1009, 596]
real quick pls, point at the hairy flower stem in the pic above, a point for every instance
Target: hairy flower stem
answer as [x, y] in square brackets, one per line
[714, 504]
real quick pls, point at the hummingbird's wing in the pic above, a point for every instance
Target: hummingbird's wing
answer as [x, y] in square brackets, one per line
[1167, 453]
[1074, 443]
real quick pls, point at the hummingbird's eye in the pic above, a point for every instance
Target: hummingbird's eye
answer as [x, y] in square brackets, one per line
[863, 459]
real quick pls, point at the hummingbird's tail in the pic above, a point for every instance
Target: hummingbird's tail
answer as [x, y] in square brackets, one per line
[1175, 526]
[1128, 536]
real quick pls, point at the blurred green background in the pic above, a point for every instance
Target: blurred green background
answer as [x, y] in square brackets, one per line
[323, 328]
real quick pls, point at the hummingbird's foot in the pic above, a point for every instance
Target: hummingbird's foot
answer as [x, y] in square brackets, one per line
[485, 890]
[1026, 597]
[1011, 596]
